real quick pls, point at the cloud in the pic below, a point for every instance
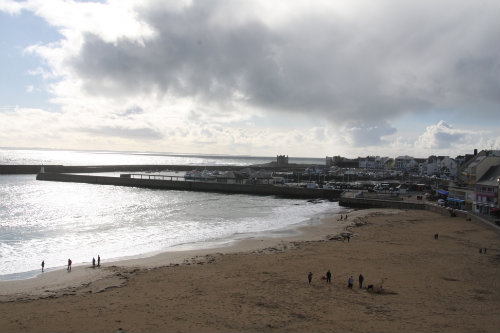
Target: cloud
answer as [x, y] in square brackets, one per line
[257, 75]
[11, 7]
[362, 134]
[128, 133]
[135, 110]
[402, 58]
[441, 136]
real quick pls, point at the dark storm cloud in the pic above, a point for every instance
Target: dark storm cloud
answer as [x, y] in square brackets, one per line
[396, 58]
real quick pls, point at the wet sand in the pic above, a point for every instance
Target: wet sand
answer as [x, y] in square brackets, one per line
[442, 285]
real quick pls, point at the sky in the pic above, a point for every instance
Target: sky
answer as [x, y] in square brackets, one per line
[307, 78]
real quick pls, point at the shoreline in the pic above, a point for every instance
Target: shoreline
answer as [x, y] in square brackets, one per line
[57, 281]
[434, 279]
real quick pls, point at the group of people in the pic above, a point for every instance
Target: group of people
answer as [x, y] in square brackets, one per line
[98, 261]
[328, 278]
[70, 262]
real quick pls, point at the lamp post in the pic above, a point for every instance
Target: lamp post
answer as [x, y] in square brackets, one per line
[498, 193]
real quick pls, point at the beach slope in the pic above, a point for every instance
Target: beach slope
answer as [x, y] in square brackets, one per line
[429, 284]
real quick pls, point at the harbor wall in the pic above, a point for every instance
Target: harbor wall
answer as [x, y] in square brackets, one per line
[294, 192]
[378, 203]
[34, 169]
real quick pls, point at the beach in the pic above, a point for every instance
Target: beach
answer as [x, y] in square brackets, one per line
[429, 284]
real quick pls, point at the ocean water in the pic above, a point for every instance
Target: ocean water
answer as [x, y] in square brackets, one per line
[76, 157]
[55, 221]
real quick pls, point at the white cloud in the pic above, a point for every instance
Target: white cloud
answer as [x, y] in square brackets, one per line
[441, 136]
[11, 7]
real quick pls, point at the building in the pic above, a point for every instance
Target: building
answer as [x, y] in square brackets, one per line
[281, 160]
[461, 197]
[474, 169]
[486, 193]
[405, 163]
[372, 162]
[341, 162]
[441, 166]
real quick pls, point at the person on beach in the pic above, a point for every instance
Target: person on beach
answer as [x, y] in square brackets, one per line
[309, 277]
[98, 261]
[328, 277]
[350, 282]
[361, 278]
[348, 236]
[43, 265]
[69, 265]
[93, 262]
[436, 236]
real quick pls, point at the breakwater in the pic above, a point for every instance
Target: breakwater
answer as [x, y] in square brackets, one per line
[379, 203]
[8, 169]
[34, 169]
[169, 184]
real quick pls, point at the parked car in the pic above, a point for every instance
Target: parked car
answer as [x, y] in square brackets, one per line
[441, 202]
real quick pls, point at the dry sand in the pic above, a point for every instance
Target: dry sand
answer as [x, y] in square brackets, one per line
[430, 285]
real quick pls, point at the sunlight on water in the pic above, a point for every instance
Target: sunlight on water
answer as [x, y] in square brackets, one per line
[69, 157]
[54, 221]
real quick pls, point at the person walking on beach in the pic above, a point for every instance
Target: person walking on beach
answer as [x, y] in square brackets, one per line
[328, 277]
[98, 261]
[43, 265]
[350, 282]
[361, 279]
[69, 265]
[309, 277]
[93, 262]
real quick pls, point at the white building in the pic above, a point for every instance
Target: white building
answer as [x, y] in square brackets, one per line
[440, 166]
[372, 162]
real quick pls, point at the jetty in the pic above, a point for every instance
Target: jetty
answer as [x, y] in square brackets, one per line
[175, 183]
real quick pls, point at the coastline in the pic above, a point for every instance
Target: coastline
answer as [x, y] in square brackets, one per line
[58, 281]
[430, 284]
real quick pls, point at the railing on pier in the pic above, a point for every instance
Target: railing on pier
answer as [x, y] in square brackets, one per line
[151, 177]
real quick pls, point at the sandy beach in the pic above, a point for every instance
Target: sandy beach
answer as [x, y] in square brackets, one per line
[430, 285]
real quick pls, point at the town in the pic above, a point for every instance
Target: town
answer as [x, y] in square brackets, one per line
[469, 182]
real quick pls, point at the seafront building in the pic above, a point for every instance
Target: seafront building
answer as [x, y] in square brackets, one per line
[469, 182]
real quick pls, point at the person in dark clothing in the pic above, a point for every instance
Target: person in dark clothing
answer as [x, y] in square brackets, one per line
[328, 277]
[361, 278]
[309, 277]
[350, 282]
[43, 264]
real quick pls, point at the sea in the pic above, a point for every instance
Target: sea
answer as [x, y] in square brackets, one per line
[54, 221]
